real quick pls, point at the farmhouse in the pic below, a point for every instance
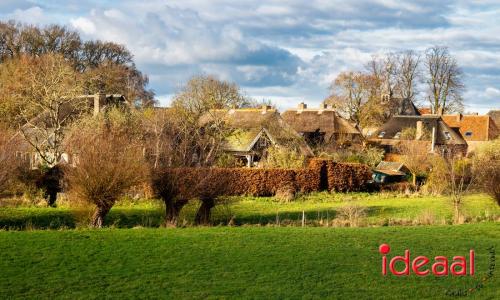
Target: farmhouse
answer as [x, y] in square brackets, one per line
[431, 129]
[254, 131]
[322, 126]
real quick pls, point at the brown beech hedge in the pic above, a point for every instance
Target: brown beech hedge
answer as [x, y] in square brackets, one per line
[176, 186]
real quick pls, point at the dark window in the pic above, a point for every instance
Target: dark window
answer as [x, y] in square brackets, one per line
[468, 133]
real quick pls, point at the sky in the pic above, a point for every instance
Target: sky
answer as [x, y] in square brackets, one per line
[284, 51]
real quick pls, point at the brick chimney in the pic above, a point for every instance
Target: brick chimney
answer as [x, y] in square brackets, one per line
[420, 130]
[99, 101]
[302, 106]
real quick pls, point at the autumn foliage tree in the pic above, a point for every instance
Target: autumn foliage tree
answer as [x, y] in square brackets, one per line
[108, 67]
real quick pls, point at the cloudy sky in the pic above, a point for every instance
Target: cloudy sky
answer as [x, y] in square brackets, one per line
[286, 51]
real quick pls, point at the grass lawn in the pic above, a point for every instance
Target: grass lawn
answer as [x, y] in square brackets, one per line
[319, 208]
[241, 262]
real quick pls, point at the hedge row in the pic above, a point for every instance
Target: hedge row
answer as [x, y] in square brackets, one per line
[341, 177]
[207, 183]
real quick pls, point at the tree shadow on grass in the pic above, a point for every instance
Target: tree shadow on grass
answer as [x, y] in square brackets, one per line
[295, 217]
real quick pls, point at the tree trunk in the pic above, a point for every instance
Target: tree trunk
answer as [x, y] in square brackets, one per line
[99, 215]
[172, 210]
[414, 180]
[203, 213]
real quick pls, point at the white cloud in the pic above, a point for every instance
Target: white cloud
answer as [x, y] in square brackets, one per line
[84, 25]
[284, 51]
[33, 14]
[493, 93]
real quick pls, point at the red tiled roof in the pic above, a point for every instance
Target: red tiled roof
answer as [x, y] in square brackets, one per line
[425, 111]
[472, 127]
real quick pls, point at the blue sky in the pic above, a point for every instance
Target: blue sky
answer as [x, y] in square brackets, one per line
[286, 51]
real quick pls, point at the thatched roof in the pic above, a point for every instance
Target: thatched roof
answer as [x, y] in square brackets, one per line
[408, 108]
[250, 123]
[393, 128]
[325, 120]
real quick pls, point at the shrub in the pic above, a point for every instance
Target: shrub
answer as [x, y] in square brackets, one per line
[353, 214]
[283, 158]
[285, 193]
[487, 168]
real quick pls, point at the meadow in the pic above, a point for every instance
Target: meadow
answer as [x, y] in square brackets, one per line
[317, 209]
[238, 262]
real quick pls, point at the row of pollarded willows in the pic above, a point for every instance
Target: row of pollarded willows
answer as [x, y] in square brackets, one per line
[176, 186]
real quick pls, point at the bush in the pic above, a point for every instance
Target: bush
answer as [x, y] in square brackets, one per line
[353, 214]
[487, 168]
[283, 158]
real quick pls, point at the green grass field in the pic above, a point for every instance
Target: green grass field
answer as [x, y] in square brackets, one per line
[242, 262]
[320, 209]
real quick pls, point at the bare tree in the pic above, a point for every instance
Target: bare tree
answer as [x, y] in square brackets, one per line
[407, 74]
[415, 156]
[200, 143]
[108, 161]
[48, 96]
[444, 80]
[460, 177]
[349, 92]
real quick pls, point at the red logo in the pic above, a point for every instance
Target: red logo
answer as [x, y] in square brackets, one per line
[422, 266]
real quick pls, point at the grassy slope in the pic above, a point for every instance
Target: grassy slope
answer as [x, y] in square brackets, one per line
[248, 210]
[244, 262]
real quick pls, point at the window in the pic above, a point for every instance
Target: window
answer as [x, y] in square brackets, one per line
[468, 133]
[397, 135]
[381, 134]
[447, 135]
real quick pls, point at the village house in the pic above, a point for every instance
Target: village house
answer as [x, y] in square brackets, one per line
[475, 129]
[322, 126]
[254, 131]
[431, 129]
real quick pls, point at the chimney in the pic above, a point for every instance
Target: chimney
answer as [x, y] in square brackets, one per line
[440, 111]
[419, 131]
[459, 117]
[99, 101]
[302, 106]
[324, 106]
